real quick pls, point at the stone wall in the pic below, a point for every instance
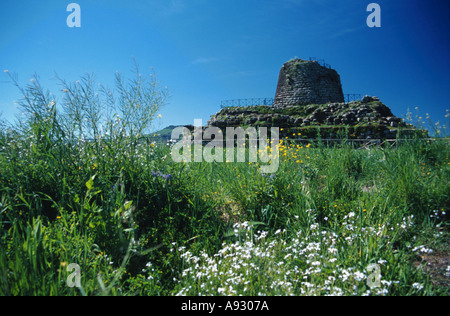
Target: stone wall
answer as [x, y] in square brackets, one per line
[368, 118]
[304, 82]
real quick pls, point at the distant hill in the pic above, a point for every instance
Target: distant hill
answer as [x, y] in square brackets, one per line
[166, 132]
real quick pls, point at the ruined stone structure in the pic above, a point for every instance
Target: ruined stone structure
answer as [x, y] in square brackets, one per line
[303, 82]
[309, 101]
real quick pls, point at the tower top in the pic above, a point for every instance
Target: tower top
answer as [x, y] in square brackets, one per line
[303, 82]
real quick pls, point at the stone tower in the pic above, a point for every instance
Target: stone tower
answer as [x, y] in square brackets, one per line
[304, 82]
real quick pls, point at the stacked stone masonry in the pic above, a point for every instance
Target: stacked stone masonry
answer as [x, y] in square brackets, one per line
[304, 82]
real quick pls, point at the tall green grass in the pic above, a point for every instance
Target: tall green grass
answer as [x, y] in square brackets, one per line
[80, 184]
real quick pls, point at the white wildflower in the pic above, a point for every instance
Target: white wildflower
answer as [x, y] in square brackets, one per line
[382, 292]
[422, 249]
[332, 250]
[418, 286]
[358, 276]
[387, 283]
[314, 226]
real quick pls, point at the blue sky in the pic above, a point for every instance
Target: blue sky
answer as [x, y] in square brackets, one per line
[206, 51]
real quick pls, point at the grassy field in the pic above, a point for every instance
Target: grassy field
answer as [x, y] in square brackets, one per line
[116, 216]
